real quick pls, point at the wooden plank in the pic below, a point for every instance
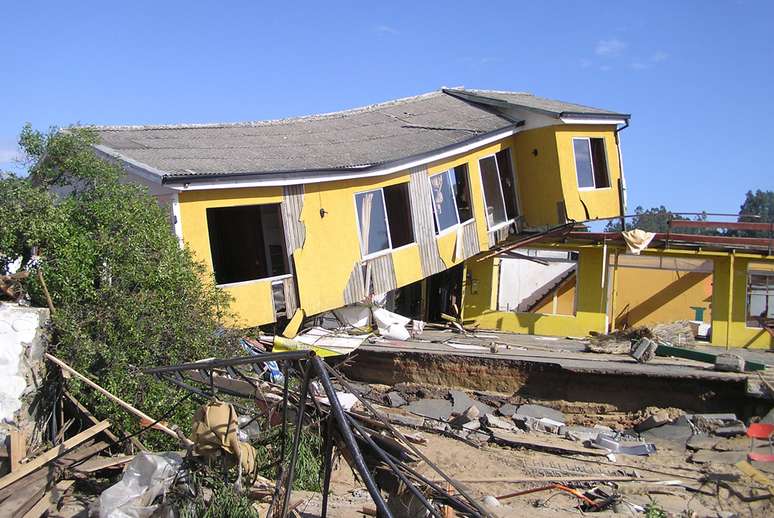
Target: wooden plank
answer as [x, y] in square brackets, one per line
[85, 411]
[120, 402]
[53, 453]
[25, 497]
[17, 445]
[99, 463]
[52, 499]
[526, 441]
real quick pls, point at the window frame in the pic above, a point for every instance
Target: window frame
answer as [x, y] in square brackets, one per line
[360, 226]
[591, 162]
[270, 279]
[750, 272]
[508, 221]
[450, 228]
[390, 248]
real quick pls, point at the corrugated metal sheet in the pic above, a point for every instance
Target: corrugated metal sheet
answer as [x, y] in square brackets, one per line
[355, 289]
[291, 302]
[498, 236]
[383, 274]
[470, 246]
[292, 203]
[422, 218]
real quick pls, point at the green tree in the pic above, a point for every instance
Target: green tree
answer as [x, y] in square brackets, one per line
[127, 296]
[758, 207]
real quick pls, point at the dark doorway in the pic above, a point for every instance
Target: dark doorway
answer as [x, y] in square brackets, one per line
[444, 291]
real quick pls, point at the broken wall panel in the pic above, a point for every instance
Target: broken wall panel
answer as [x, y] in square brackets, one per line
[355, 291]
[292, 204]
[382, 271]
[423, 221]
[470, 245]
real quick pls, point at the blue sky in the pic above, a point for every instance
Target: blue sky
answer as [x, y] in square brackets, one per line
[698, 77]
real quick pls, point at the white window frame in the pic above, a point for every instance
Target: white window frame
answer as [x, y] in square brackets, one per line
[747, 297]
[591, 162]
[445, 231]
[501, 224]
[359, 226]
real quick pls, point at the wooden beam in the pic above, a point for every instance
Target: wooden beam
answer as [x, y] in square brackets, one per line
[144, 418]
[52, 454]
[85, 411]
[17, 446]
[51, 499]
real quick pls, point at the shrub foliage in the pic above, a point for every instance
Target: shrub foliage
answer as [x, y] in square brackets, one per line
[127, 296]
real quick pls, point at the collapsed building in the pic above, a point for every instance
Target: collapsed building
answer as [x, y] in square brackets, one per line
[314, 213]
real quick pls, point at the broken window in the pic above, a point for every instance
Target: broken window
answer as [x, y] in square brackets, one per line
[444, 205]
[591, 163]
[451, 197]
[246, 243]
[461, 183]
[760, 296]
[396, 199]
[372, 222]
[499, 188]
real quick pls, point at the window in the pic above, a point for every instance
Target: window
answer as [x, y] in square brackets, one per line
[450, 193]
[247, 243]
[499, 188]
[590, 163]
[396, 199]
[372, 222]
[384, 218]
[760, 297]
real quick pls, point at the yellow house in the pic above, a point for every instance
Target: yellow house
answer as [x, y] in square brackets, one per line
[322, 211]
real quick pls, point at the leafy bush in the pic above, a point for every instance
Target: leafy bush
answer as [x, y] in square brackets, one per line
[127, 296]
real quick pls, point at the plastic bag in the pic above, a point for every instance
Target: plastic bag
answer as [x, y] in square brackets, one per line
[146, 477]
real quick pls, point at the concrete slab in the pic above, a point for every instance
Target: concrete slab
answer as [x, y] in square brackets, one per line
[540, 411]
[461, 402]
[432, 408]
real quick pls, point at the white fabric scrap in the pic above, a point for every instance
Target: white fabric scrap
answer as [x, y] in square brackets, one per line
[637, 240]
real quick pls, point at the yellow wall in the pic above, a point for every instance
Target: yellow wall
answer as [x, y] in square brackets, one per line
[647, 296]
[540, 185]
[601, 203]
[250, 300]
[589, 316]
[565, 300]
[731, 326]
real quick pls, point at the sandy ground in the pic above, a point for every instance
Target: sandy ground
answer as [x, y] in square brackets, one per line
[467, 464]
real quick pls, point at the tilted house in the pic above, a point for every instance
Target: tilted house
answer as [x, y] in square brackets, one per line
[321, 211]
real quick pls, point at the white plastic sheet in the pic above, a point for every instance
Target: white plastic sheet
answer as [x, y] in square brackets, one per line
[147, 476]
[391, 325]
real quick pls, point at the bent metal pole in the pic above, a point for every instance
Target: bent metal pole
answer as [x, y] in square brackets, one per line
[349, 439]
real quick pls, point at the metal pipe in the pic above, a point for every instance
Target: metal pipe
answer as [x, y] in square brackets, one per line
[296, 438]
[217, 364]
[349, 439]
[327, 465]
[413, 448]
[379, 451]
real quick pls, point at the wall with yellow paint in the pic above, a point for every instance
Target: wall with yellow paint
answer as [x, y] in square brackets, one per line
[601, 203]
[481, 307]
[324, 264]
[729, 323]
[250, 299]
[539, 181]
[647, 296]
[565, 300]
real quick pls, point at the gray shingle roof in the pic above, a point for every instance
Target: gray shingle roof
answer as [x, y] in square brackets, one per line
[362, 137]
[534, 102]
